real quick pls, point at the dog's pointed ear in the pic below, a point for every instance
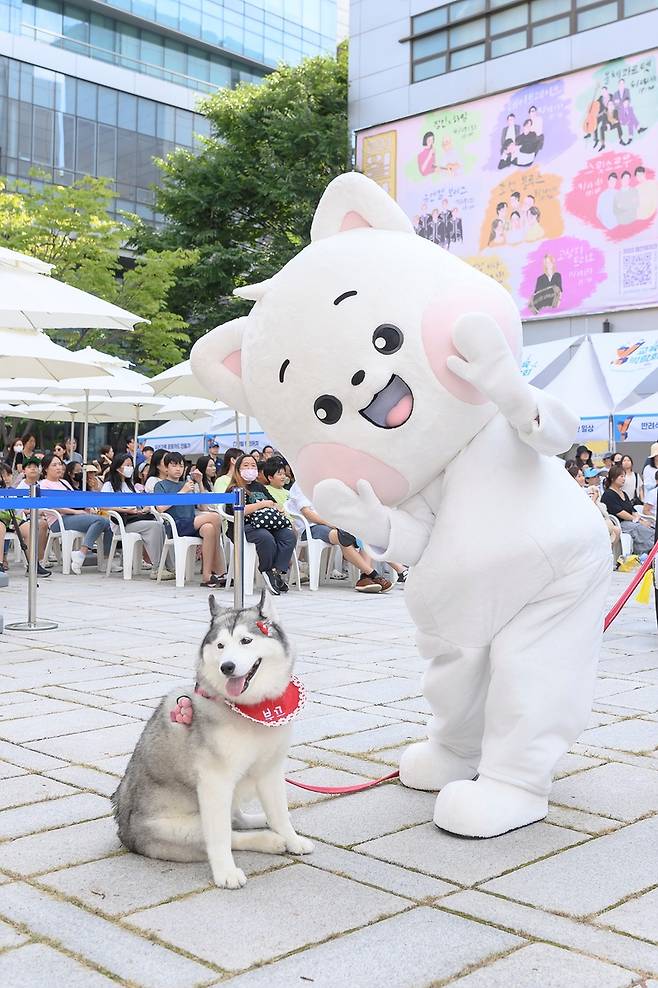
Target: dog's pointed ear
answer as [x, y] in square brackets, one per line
[352, 201]
[214, 606]
[266, 608]
[216, 360]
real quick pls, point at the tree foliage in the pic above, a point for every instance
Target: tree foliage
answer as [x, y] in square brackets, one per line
[71, 227]
[246, 201]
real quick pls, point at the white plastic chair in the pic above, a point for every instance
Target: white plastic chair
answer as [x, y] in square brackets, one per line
[130, 541]
[625, 540]
[181, 544]
[15, 548]
[249, 562]
[314, 550]
[64, 540]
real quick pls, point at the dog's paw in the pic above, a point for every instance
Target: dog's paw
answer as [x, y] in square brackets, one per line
[230, 878]
[299, 845]
[183, 712]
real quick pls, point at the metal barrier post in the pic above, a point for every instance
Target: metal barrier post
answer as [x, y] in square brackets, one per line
[32, 623]
[238, 551]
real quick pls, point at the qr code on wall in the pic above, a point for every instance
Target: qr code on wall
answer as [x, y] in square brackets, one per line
[639, 269]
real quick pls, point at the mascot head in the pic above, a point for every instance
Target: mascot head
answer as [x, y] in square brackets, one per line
[343, 357]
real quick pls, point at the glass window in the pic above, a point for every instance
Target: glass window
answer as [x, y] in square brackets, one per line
[42, 148]
[107, 149]
[146, 112]
[292, 10]
[465, 33]
[101, 32]
[152, 48]
[432, 67]
[509, 43]
[143, 8]
[198, 64]
[167, 12]
[433, 18]
[551, 30]
[597, 16]
[212, 30]
[507, 20]
[28, 11]
[65, 141]
[468, 56]
[432, 45]
[85, 148]
[107, 105]
[175, 56]
[183, 128]
[127, 111]
[189, 21]
[465, 8]
[86, 99]
[632, 7]
[69, 95]
[165, 122]
[44, 87]
[126, 157]
[48, 16]
[76, 25]
[541, 9]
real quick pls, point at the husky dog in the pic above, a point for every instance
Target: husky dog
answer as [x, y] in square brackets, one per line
[180, 797]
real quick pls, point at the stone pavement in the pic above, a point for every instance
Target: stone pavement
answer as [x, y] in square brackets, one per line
[386, 898]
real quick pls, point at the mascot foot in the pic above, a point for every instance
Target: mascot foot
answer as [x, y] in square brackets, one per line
[486, 808]
[428, 766]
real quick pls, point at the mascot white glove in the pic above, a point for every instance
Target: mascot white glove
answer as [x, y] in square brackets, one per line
[359, 512]
[488, 364]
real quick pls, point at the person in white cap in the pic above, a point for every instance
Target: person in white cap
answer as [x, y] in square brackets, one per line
[649, 472]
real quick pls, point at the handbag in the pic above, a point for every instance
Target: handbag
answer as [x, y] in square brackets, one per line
[129, 520]
[635, 499]
[270, 519]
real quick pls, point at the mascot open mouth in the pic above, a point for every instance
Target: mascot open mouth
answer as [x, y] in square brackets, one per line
[391, 407]
[236, 685]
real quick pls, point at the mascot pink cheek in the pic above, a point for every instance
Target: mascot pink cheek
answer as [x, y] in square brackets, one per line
[320, 461]
[438, 320]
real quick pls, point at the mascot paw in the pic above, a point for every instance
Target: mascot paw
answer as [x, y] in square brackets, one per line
[183, 712]
[428, 766]
[486, 808]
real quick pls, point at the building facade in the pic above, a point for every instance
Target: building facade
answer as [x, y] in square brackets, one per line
[523, 136]
[103, 88]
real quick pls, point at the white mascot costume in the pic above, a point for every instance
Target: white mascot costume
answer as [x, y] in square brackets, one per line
[387, 371]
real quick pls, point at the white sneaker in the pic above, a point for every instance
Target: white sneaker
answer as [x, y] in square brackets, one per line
[77, 559]
[116, 566]
[166, 575]
[146, 567]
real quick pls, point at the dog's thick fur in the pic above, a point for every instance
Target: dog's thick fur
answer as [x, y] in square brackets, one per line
[180, 797]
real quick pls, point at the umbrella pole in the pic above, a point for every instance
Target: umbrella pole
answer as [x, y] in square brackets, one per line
[611, 434]
[72, 430]
[246, 438]
[85, 442]
[237, 429]
[32, 623]
[137, 407]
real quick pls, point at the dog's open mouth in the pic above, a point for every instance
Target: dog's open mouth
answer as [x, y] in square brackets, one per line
[236, 685]
[391, 407]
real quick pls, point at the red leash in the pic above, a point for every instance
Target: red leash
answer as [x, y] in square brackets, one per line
[609, 618]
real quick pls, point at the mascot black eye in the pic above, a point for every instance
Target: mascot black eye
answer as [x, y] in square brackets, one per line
[328, 409]
[387, 339]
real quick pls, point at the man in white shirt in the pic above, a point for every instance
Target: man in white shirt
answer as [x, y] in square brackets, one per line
[298, 504]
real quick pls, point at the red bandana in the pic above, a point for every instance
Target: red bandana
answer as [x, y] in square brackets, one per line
[270, 713]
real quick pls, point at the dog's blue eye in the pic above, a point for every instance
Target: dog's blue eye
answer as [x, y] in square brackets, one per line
[246, 641]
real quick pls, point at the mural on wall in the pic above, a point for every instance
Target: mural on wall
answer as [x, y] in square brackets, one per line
[550, 189]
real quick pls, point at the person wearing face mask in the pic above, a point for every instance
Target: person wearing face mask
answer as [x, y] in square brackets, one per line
[138, 520]
[275, 541]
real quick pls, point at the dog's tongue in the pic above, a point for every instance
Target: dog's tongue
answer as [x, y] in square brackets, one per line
[235, 685]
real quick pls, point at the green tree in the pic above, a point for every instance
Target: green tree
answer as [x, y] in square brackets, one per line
[71, 227]
[246, 201]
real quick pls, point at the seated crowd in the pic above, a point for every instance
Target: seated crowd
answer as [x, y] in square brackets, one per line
[278, 516]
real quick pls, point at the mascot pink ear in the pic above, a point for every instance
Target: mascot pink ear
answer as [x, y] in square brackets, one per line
[353, 202]
[216, 361]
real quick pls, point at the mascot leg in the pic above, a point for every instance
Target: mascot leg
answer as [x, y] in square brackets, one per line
[455, 686]
[543, 668]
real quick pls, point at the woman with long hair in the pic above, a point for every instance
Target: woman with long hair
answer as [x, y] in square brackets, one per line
[156, 470]
[632, 482]
[138, 520]
[73, 474]
[620, 505]
[272, 535]
[227, 469]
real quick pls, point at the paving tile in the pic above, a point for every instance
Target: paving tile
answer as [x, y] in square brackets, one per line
[614, 948]
[310, 906]
[370, 871]
[380, 691]
[319, 776]
[540, 965]
[571, 763]
[379, 737]
[588, 823]
[346, 722]
[9, 771]
[627, 735]
[368, 958]
[643, 698]
[9, 937]
[128, 882]
[101, 942]
[462, 860]
[26, 704]
[607, 685]
[86, 778]
[38, 964]
[364, 815]
[56, 848]
[622, 792]
[581, 880]
[318, 756]
[58, 724]
[91, 745]
[637, 917]
[27, 758]
[31, 789]
[52, 813]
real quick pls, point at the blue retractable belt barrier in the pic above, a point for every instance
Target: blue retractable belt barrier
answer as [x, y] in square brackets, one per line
[18, 499]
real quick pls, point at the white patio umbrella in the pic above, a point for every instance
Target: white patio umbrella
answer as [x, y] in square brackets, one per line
[46, 412]
[188, 408]
[179, 380]
[31, 299]
[29, 354]
[124, 408]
